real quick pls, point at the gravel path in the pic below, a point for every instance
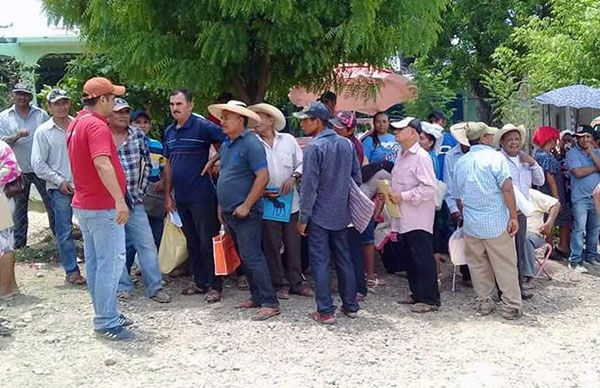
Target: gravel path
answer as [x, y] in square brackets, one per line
[188, 343]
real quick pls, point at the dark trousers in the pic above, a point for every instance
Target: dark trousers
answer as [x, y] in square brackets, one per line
[422, 272]
[247, 235]
[355, 244]
[200, 225]
[286, 271]
[21, 219]
[320, 241]
[520, 245]
[157, 225]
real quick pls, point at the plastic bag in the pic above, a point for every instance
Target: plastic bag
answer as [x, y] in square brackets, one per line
[440, 192]
[225, 255]
[457, 247]
[173, 246]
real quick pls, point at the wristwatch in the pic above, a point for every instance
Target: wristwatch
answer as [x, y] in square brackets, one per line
[296, 176]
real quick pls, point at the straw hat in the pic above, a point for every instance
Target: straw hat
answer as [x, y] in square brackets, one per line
[434, 130]
[278, 117]
[510, 128]
[235, 107]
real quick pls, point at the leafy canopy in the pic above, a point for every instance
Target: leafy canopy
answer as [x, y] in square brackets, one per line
[472, 30]
[555, 51]
[248, 47]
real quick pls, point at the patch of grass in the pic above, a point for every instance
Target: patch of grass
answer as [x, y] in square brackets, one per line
[43, 249]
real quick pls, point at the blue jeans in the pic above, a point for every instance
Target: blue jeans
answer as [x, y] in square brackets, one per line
[585, 221]
[63, 226]
[247, 234]
[104, 248]
[319, 242]
[138, 236]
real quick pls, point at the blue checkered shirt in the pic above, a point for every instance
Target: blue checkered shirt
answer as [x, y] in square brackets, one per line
[135, 159]
[478, 181]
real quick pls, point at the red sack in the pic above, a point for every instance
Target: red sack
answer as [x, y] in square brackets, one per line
[225, 255]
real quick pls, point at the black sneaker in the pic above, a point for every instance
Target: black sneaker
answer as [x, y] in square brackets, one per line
[117, 333]
[124, 321]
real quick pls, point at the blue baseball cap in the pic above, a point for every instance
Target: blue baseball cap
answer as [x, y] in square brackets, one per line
[316, 110]
[139, 113]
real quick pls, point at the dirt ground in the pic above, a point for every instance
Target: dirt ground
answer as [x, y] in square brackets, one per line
[188, 343]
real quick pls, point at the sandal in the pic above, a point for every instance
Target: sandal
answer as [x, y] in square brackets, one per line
[423, 308]
[243, 283]
[265, 313]
[193, 289]
[407, 300]
[213, 296]
[247, 304]
[322, 318]
[76, 279]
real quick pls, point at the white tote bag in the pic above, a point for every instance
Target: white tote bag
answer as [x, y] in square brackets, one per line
[457, 247]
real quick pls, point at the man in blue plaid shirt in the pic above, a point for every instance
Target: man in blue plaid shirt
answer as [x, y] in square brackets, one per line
[135, 159]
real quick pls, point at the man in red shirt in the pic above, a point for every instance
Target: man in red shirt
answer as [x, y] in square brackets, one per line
[100, 203]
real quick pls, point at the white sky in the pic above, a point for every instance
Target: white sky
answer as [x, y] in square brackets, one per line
[27, 19]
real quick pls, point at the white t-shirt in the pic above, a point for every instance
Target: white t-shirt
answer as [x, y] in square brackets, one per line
[541, 204]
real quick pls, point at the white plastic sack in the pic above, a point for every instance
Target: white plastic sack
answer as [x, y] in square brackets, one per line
[440, 192]
[457, 247]
[523, 205]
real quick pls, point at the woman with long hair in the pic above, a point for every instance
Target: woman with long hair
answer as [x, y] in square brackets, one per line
[380, 145]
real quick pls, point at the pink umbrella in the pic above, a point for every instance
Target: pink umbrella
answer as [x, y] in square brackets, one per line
[361, 88]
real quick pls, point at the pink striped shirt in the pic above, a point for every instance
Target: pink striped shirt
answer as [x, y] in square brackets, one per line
[414, 178]
[9, 169]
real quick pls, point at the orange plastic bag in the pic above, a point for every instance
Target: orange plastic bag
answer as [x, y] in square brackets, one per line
[226, 257]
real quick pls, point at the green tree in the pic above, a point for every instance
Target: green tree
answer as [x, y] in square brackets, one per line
[555, 51]
[11, 72]
[434, 91]
[472, 30]
[248, 47]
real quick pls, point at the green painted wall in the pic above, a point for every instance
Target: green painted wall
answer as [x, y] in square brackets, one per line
[30, 50]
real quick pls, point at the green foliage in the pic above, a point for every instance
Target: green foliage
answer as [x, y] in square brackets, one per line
[248, 47]
[513, 101]
[558, 50]
[11, 72]
[139, 96]
[472, 30]
[433, 88]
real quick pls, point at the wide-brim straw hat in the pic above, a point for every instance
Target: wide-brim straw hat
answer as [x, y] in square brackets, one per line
[510, 128]
[434, 130]
[276, 114]
[235, 107]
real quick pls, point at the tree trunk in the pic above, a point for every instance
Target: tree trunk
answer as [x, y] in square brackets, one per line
[484, 107]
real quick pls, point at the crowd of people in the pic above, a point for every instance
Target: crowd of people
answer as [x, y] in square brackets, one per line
[478, 181]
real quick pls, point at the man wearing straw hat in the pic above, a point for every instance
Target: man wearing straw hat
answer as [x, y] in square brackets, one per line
[284, 159]
[484, 186]
[242, 181]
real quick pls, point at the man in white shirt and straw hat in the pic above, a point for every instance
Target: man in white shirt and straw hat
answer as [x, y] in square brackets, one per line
[242, 180]
[284, 159]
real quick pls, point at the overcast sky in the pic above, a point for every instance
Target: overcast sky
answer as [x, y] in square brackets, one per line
[27, 19]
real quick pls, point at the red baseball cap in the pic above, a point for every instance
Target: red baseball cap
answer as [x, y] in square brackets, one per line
[99, 86]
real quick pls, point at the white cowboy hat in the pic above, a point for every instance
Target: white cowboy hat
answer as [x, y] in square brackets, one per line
[278, 117]
[235, 107]
[434, 130]
[509, 128]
